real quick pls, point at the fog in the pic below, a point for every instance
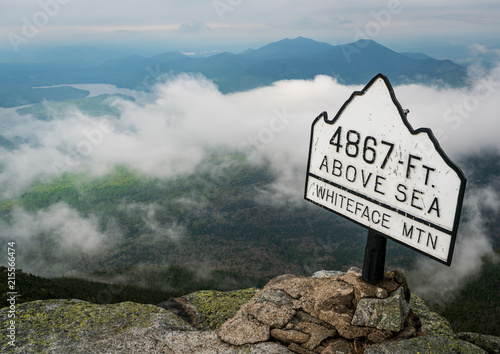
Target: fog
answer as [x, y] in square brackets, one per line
[154, 230]
[185, 118]
[440, 284]
[67, 235]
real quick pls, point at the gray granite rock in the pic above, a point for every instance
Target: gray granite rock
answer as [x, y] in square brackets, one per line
[489, 343]
[72, 326]
[432, 323]
[326, 273]
[426, 344]
[243, 329]
[385, 314]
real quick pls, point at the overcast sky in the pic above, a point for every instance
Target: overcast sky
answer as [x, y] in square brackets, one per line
[159, 25]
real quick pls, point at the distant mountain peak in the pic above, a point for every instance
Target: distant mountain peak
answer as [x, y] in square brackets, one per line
[365, 41]
[300, 39]
[290, 49]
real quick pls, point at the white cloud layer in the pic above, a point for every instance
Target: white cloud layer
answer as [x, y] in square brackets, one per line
[51, 241]
[440, 284]
[72, 231]
[171, 134]
[188, 115]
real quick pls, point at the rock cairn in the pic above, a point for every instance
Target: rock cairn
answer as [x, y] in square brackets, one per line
[330, 312]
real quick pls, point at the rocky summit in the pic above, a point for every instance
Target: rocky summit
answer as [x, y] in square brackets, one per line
[325, 311]
[333, 312]
[330, 312]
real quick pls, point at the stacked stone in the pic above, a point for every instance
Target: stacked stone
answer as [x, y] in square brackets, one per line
[326, 313]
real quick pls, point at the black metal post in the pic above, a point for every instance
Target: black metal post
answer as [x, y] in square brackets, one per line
[373, 266]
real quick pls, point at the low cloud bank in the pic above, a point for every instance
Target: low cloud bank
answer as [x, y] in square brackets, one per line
[172, 132]
[188, 115]
[440, 284]
[49, 240]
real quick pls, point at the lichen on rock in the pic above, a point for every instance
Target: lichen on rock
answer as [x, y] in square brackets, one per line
[489, 343]
[209, 309]
[426, 344]
[385, 314]
[73, 324]
[432, 323]
[291, 314]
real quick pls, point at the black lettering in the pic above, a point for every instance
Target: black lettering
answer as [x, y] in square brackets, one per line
[358, 207]
[337, 166]
[377, 183]
[341, 200]
[410, 166]
[434, 206]
[420, 231]
[427, 173]
[406, 232]
[350, 143]
[335, 140]
[324, 163]
[373, 219]
[385, 219]
[329, 196]
[366, 214]
[349, 205]
[414, 197]
[369, 158]
[433, 242]
[391, 147]
[320, 192]
[403, 193]
[352, 168]
[365, 182]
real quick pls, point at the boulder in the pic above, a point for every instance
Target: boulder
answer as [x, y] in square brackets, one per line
[244, 329]
[73, 326]
[326, 273]
[431, 323]
[207, 342]
[385, 314]
[290, 336]
[209, 309]
[489, 343]
[338, 346]
[426, 344]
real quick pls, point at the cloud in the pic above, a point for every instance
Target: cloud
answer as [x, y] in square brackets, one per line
[462, 119]
[49, 239]
[153, 229]
[440, 284]
[186, 118]
[170, 135]
[478, 48]
[193, 27]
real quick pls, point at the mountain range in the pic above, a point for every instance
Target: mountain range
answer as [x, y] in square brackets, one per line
[299, 58]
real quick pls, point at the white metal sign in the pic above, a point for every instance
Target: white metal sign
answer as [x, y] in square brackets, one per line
[369, 165]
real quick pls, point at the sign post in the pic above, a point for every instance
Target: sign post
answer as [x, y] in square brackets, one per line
[369, 165]
[373, 266]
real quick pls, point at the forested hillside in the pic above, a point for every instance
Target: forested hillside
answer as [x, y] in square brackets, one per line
[209, 219]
